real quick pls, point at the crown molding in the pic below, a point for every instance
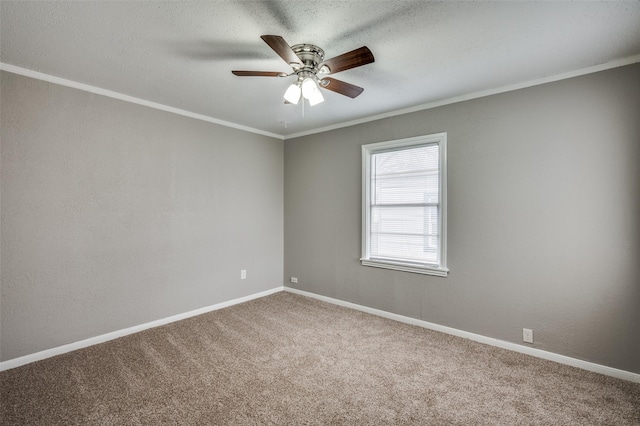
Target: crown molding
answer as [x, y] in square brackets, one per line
[475, 95]
[120, 96]
[429, 105]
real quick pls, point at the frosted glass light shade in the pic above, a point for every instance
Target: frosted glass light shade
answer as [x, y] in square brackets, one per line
[292, 94]
[311, 91]
[316, 98]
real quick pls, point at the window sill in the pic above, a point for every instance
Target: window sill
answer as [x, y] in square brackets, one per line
[439, 272]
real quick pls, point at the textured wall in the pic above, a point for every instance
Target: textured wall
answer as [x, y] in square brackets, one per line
[544, 217]
[114, 215]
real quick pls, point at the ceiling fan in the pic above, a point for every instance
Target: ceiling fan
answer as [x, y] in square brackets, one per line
[310, 69]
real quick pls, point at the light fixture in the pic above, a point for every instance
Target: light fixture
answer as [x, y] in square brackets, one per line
[316, 98]
[311, 91]
[292, 95]
[310, 70]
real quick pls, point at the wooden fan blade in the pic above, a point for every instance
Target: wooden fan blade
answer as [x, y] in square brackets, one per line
[355, 58]
[281, 47]
[259, 73]
[341, 87]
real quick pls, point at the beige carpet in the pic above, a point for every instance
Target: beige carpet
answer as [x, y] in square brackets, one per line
[287, 359]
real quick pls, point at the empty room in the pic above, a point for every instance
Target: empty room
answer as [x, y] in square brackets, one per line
[305, 212]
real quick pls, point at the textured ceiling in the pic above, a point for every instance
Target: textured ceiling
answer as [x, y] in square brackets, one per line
[181, 54]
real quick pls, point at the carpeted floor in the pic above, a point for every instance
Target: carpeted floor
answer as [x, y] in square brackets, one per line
[287, 359]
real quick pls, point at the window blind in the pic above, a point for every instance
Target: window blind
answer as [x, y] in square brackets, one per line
[405, 205]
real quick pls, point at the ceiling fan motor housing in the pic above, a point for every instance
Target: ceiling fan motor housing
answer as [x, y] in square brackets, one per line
[311, 56]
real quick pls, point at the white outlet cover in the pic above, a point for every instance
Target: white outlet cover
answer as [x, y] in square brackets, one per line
[527, 335]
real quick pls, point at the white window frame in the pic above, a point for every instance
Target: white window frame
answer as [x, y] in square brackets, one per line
[367, 152]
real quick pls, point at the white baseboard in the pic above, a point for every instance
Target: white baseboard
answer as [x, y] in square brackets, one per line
[17, 362]
[538, 353]
[562, 359]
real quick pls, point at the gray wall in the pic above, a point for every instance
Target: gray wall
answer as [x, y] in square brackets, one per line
[114, 215]
[544, 217]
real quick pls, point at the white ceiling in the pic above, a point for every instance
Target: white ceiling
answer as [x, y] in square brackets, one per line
[181, 54]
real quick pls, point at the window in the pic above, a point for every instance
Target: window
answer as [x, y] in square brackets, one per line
[404, 208]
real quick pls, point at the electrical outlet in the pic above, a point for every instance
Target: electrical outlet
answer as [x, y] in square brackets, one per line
[527, 335]
[243, 274]
[294, 280]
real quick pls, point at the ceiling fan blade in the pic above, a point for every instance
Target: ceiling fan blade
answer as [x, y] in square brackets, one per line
[341, 87]
[355, 58]
[281, 47]
[259, 73]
